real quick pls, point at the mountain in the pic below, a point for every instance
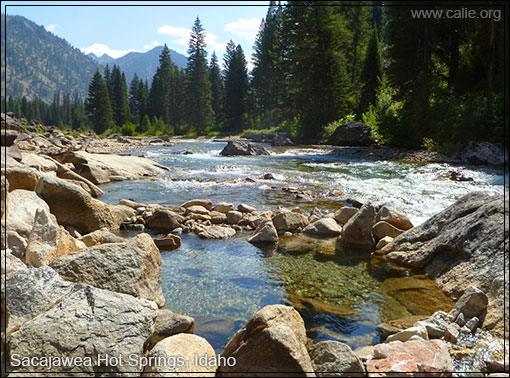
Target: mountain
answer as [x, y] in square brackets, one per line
[103, 59]
[143, 64]
[40, 63]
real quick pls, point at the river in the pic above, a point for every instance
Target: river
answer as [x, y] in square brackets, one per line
[222, 283]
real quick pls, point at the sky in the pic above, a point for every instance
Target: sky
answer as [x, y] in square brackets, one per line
[118, 29]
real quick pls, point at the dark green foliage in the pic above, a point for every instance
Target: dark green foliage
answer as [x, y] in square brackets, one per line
[236, 88]
[119, 100]
[98, 106]
[199, 112]
[371, 74]
[217, 90]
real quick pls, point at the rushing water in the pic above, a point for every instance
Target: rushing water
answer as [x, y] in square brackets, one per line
[222, 283]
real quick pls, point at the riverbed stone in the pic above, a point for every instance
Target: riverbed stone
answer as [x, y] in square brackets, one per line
[132, 267]
[215, 232]
[189, 349]
[87, 322]
[73, 206]
[218, 217]
[169, 242]
[357, 232]
[289, 221]
[207, 203]
[324, 227]
[344, 214]
[244, 208]
[272, 341]
[234, 148]
[168, 323]
[47, 241]
[400, 221]
[383, 242]
[435, 324]
[264, 233]
[407, 333]
[164, 220]
[101, 236]
[462, 246]
[335, 359]
[234, 217]
[382, 229]
[223, 207]
[197, 209]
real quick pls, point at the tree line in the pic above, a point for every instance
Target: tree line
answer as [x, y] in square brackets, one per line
[416, 82]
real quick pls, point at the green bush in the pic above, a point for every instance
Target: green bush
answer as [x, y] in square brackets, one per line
[128, 129]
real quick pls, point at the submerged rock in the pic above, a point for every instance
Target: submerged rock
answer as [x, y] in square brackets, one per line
[168, 243]
[272, 341]
[234, 148]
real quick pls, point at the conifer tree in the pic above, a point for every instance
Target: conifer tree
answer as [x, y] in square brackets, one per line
[98, 106]
[216, 90]
[119, 100]
[161, 87]
[198, 102]
[236, 87]
[371, 74]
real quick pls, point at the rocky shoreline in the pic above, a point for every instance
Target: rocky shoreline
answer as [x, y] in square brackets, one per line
[71, 287]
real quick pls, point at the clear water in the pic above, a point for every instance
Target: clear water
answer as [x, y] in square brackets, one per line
[222, 283]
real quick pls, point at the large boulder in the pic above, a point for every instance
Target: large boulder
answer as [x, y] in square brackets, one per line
[47, 241]
[412, 358]
[73, 206]
[164, 220]
[23, 205]
[85, 323]
[323, 227]
[335, 359]
[93, 173]
[357, 232]
[272, 341]
[464, 245]
[344, 214]
[182, 355]
[234, 148]
[485, 153]
[397, 220]
[21, 177]
[132, 267]
[352, 134]
[265, 233]
[8, 137]
[289, 221]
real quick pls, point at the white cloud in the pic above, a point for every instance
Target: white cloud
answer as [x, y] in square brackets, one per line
[99, 49]
[151, 45]
[51, 27]
[246, 28]
[173, 31]
[211, 39]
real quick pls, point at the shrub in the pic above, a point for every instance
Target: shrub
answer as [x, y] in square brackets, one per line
[128, 129]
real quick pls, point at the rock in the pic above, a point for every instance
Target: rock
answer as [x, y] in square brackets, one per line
[392, 217]
[223, 207]
[167, 324]
[460, 320]
[96, 175]
[8, 137]
[5, 190]
[22, 178]
[451, 333]
[132, 267]
[344, 214]
[383, 242]
[207, 203]
[10, 264]
[101, 236]
[472, 324]
[335, 359]
[85, 323]
[382, 229]
[16, 244]
[485, 153]
[40, 162]
[73, 206]
[184, 350]
[164, 220]
[357, 232]
[272, 341]
[289, 221]
[197, 210]
[168, 243]
[472, 303]
[365, 353]
[234, 148]
[412, 357]
[351, 134]
[215, 232]
[244, 208]
[462, 246]
[234, 217]
[23, 204]
[64, 172]
[47, 241]
[435, 325]
[217, 217]
[264, 233]
[268, 176]
[406, 334]
[323, 227]
[129, 203]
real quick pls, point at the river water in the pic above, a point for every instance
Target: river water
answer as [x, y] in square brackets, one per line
[222, 283]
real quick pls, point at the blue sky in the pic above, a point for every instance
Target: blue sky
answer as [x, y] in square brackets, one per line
[116, 30]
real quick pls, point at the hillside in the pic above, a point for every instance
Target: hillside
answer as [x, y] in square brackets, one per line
[40, 63]
[143, 64]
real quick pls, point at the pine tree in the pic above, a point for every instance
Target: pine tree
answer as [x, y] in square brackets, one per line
[371, 74]
[119, 100]
[98, 106]
[198, 87]
[236, 87]
[160, 93]
[216, 90]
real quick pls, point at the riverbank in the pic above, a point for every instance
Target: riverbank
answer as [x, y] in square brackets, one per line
[101, 265]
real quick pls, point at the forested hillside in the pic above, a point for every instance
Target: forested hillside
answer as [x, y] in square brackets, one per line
[40, 63]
